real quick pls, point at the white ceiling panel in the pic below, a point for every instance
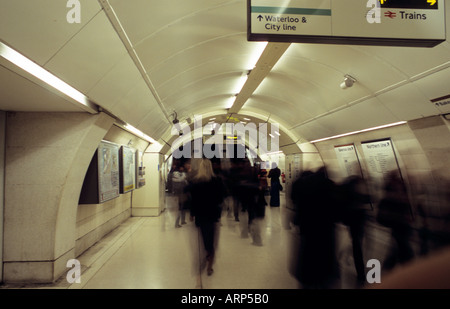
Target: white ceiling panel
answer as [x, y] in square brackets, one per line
[312, 130]
[411, 61]
[307, 95]
[292, 112]
[437, 84]
[156, 123]
[185, 94]
[204, 106]
[370, 72]
[117, 83]
[138, 102]
[179, 71]
[194, 53]
[39, 28]
[367, 114]
[407, 103]
[88, 56]
[142, 18]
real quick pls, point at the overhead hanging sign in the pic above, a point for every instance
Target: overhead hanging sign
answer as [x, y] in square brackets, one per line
[362, 22]
[442, 103]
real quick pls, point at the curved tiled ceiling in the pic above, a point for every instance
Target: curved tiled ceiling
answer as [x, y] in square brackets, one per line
[142, 60]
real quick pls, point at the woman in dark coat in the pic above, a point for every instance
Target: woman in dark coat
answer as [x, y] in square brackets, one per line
[275, 185]
[207, 193]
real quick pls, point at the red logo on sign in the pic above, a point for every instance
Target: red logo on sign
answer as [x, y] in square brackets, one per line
[390, 14]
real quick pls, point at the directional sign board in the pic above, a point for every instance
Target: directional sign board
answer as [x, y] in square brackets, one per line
[364, 22]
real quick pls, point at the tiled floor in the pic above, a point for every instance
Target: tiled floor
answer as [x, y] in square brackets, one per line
[150, 253]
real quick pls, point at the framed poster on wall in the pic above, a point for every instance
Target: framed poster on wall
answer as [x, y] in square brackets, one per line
[108, 171]
[380, 157]
[348, 160]
[140, 170]
[127, 169]
[101, 182]
[380, 160]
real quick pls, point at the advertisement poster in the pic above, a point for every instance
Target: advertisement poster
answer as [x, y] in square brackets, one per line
[108, 171]
[128, 169]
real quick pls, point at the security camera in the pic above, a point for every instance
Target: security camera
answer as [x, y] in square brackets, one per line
[348, 82]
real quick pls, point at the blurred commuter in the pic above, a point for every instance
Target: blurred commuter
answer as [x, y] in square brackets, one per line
[256, 223]
[275, 185]
[353, 200]
[179, 182]
[207, 194]
[257, 220]
[225, 168]
[262, 175]
[247, 193]
[314, 197]
[394, 212]
[233, 182]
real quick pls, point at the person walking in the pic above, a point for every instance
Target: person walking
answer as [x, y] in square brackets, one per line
[179, 182]
[207, 193]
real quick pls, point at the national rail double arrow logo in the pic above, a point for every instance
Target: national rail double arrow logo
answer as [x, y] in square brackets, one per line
[390, 14]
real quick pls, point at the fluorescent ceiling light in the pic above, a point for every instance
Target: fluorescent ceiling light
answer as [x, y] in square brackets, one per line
[230, 102]
[254, 57]
[256, 54]
[34, 69]
[139, 133]
[274, 152]
[237, 89]
[241, 82]
[360, 131]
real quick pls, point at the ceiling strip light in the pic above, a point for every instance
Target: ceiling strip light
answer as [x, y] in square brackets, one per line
[360, 131]
[36, 70]
[139, 133]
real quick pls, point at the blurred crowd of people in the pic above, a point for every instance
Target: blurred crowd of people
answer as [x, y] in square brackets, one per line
[320, 204]
[206, 188]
